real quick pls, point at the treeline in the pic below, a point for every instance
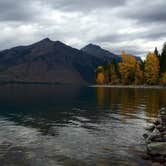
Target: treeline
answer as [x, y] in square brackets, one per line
[130, 71]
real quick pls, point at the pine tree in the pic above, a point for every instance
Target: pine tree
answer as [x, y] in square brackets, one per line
[163, 59]
[156, 52]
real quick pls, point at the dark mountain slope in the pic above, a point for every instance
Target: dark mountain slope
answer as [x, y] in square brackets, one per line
[100, 52]
[47, 62]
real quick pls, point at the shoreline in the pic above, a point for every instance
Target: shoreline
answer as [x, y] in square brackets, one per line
[130, 86]
[155, 138]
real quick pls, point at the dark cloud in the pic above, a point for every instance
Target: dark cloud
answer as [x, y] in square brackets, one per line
[147, 35]
[18, 10]
[135, 26]
[83, 5]
[146, 11]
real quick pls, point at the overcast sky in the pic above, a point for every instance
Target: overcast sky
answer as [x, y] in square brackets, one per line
[135, 26]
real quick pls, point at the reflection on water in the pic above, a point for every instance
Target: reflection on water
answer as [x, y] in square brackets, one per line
[150, 100]
[64, 125]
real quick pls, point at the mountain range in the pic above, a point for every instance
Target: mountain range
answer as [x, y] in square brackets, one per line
[52, 62]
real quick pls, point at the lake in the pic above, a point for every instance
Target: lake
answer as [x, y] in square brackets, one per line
[54, 125]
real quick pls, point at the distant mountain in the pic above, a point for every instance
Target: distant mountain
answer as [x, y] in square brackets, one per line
[100, 52]
[47, 62]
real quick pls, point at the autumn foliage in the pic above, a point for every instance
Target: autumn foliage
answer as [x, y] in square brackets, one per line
[100, 78]
[151, 69]
[130, 71]
[127, 69]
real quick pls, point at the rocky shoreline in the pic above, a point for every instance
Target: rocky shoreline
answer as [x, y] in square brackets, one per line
[155, 138]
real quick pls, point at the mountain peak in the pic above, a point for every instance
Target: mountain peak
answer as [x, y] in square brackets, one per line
[46, 40]
[91, 45]
[99, 52]
[49, 41]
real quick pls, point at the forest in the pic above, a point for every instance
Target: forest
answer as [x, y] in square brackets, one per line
[151, 71]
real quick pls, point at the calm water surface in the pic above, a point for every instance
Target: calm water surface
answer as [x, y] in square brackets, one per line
[75, 126]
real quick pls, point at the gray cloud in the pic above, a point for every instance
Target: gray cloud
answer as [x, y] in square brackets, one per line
[154, 35]
[19, 10]
[135, 26]
[146, 11]
[84, 5]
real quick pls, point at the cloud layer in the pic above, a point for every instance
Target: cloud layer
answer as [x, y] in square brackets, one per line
[134, 26]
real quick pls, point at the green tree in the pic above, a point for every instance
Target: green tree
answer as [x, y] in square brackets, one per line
[156, 52]
[163, 59]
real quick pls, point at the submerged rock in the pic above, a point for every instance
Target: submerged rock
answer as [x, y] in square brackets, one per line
[145, 135]
[157, 148]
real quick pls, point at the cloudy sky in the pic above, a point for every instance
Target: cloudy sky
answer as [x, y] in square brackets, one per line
[135, 26]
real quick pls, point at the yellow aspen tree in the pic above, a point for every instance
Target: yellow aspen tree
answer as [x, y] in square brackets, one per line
[152, 68]
[100, 78]
[127, 68]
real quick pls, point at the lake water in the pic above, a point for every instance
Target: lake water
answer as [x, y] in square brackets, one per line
[46, 125]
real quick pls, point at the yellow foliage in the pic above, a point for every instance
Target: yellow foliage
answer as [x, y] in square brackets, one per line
[163, 79]
[151, 69]
[100, 78]
[127, 68]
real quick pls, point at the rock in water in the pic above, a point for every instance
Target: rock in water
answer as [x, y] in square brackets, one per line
[157, 148]
[150, 127]
[163, 111]
[163, 115]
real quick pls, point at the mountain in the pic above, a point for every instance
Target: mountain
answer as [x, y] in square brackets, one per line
[52, 62]
[47, 62]
[100, 52]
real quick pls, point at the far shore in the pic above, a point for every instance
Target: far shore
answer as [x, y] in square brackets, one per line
[131, 86]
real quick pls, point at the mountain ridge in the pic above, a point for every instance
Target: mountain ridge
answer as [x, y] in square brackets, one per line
[99, 52]
[48, 61]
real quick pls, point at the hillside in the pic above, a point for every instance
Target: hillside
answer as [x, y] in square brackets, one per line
[47, 62]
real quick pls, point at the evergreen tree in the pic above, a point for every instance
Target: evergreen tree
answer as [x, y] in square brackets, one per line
[156, 52]
[163, 59]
